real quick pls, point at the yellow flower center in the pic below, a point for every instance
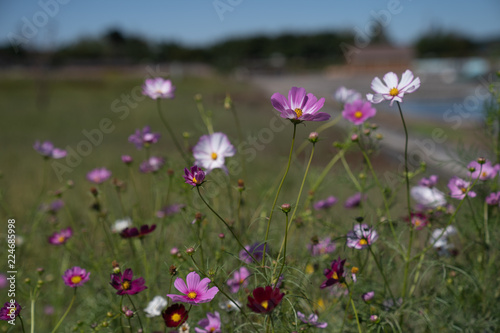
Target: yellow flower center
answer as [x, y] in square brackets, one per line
[76, 279]
[418, 222]
[61, 239]
[241, 281]
[484, 174]
[464, 190]
[358, 114]
[214, 156]
[394, 91]
[363, 242]
[309, 269]
[12, 310]
[195, 180]
[192, 295]
[335, 276]
[126, 285]
[212, 329]
[265, 304]
[298, 112]
[354, 270]
[176, 317]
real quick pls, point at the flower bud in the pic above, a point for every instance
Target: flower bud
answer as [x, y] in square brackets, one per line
[228, 103]
[241, 185]
[127, 159]
[481, 160]
[222, 236]
[198, 98]
[374, 318]
[129, 313]
[313, 137]
[170, 172]
[285, 208]
[190, 251]
[354, 138]
[172, 270]
[366, 132]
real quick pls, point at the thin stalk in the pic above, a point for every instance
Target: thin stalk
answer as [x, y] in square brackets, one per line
[486, 231]
[284, 251]
[121, 317]
[277, 194]
[65, 314]
[240, 138]
[135, 310]
[225, 223]
[345, 314]
[33, 300]
[350, 174]
[354, 309]
[200, 241]
[22, 323]
[381, 272]
[206, 120]
[240, 223]
[167, 126]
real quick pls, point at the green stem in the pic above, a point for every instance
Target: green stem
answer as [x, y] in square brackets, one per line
[277, 194]
[284, 251]
[135, 310]
[382, 273]
[225, 223]
[350, 174]
[206, 119]
[167, 126]
[345, 314]
[486, 231]
[200, 240]
[22, 323]
[33, 300]
[121, 317]
[240, 138]
[354, 309]
[64, 315]
[324, 173]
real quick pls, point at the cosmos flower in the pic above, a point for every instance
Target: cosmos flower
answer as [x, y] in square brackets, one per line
[483, 171]
[47, 150]
[169, 210]
[427, 196]
[429, 182]
[155, 307]
[459, 187]
[299, 106]
[143, 138]
[493, 199]
[127, 159]
[211, 324]
[439, 237]
[158, 88]
[195, 176]
[151, 165]
[419, 220]
[61, 237]
[312, 320]
[321, 247]
[256, 249]
[195, 292]
[99, 175]
[175, 315]
[358, 112]
[75, 277]
[361, 237]
[335, 274]
[354, 200]
[121, 225]
[368, 296]
[393, 90]
[211, 150]
[326, 203]
[134, 232]
[10, 311]
[125, 284]
[53, 207]
[344, 95]
[238, 280]
[230, 306]
[264, 300]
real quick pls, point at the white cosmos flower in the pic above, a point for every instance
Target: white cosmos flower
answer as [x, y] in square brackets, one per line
[155, 307]
[440, 237]
[230, 306]
[429, 197]
[345, 96]
[393, 90]
[121, 225]
[211, 150]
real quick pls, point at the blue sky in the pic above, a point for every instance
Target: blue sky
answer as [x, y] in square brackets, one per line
[197, 22]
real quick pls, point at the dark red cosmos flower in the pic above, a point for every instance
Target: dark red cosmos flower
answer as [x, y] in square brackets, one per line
[10, 311]
[334, 275]
[175, 315]
[134, 232]
[264, 300]
[124, 283]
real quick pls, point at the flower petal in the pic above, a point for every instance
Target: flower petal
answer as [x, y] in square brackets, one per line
[279, 102]
[391, 80]
[180, 285]
[192, 280]
[379, 87]
[296, 97]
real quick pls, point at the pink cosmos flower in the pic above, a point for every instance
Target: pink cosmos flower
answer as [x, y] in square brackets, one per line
[47, 150]
[484, 172]
[61, 237]
[195, 176]
[458, 188]
[211, 150]
[493, 199]
[75, 277]
[125, 284]
[361, 237]
[195, 292]
[393, 90]
[419, 220]
[158, 88]
[143, 138]
[344, 95]
[368, 296]
[312, 320]
[326, 203]
[324, 246]
[152, 165]
[99, 175]
[211, 324]
[358, 112]
[238, 280]
[299, 106]
[429, 182]
[354, 200]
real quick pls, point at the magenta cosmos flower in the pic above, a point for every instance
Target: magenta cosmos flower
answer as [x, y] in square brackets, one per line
[393, 90]
[493, 199]
[264, 300]
[211, 150]
[195, 176]
[358, 112]
[483, 171]
[151, 165]
[299, 106]
[256, 249]
[323, 246]
[195, 292]
[99, 175]
[61, 237]
[312, 320]
[47, 150]
[361, 237]
[354, 200]
[335, 274]
[429, 182]
[143, 138]
[459, 187]
[125, 284]
[75, 277]
[10, 311]
[326, 203]
[238, 280]
[419, 220]
[211, 324]
[158, 88]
